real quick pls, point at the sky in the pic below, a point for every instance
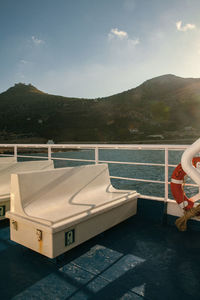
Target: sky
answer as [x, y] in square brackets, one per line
[97, 48]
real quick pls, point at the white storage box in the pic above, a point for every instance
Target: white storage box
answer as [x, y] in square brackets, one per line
[55, 210]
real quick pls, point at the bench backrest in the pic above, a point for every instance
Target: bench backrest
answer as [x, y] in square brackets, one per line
[53, 185]
[10, 159]
[5, 173]
[4, 166]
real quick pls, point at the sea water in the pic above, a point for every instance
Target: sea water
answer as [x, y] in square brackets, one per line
[146, 172]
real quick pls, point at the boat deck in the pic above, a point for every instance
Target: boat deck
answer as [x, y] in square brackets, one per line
[136, 259]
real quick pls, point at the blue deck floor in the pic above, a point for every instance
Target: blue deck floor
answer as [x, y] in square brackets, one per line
[134, 260]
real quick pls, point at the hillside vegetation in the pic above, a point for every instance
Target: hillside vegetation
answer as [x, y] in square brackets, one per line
[163, 107]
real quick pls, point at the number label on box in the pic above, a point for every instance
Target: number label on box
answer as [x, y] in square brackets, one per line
[69, 237]
[2, 210]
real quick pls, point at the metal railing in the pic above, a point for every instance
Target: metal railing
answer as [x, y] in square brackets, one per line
[96, 148]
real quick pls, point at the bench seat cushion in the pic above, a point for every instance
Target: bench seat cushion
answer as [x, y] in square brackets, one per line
[68, 206]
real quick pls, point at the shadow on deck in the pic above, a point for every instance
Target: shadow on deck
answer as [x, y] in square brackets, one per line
[134, 260]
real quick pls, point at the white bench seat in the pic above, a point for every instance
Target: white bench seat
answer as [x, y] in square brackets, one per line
[68, 207]
[57, 201]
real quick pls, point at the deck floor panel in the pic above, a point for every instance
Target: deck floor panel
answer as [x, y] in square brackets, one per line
[134, 260]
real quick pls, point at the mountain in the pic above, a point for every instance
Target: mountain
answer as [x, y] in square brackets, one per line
[21, 89]
[162, 107]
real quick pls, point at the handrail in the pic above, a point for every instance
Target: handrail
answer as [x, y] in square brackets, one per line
[97, 147]
[100, 146]
[186, 161]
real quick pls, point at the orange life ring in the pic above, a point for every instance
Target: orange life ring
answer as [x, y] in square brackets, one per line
[177, 188]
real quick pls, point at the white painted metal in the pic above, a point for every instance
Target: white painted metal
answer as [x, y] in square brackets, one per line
[97, 147]
[186, 161]
[7, 169]
[138, 179]
[100, 146]
[177, 181]
[166, 174]
[74, 159]
[49, 152]
[96, 155]
[15, 152]
[79, 199]
[131, 163]
[175, 210]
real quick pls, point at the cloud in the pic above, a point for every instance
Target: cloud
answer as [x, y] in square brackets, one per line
[116, 33]
[120, 44]
[186, 27]
[119, 35]
[121, 48]
[36, 41]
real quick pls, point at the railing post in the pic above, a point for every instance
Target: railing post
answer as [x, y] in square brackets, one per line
[96, 155]
[15, 151]
[166, 174]
[49, 152]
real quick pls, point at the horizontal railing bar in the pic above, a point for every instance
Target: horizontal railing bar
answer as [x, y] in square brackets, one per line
[137, 179]
[31, 156]
[101, 146]
[101, 161]
[56, 158]
[191, 184]
[73, 159]
[149, 197]
[148, 180]
[131, 163]
[116, 162]
[152, 197]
